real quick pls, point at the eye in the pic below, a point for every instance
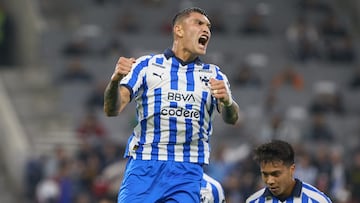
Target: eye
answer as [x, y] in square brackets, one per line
[276, 174]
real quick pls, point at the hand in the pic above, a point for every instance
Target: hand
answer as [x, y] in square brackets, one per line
[220, 91]
[122, 68]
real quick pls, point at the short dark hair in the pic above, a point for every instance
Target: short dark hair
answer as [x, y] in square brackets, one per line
[275, 150]
[187, 12]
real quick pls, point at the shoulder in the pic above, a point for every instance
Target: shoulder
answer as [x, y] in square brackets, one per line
[210, 66]
[211, 190]
[219, 74]
[143, 58]
[212, 181]
[142, 62]
[207, 178]
[255, 195]
[151, 59]
[315, 193]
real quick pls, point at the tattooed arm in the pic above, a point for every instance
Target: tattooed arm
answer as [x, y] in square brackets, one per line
[230, 114]
[115, 97]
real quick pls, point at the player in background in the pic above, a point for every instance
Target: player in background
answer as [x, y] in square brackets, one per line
[211, 190]
[176, 97]
[277, 167]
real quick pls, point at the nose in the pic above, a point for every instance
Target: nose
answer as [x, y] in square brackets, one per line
[206, 30]
[270, 180]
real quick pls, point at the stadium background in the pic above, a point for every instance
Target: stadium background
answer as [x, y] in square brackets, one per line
[63, 52]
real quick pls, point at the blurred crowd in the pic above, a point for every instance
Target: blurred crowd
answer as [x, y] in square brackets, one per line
[7, 37]
[323, 130]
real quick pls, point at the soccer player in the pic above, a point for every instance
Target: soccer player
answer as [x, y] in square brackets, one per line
[211, 190]
[176, 97]
[277, 167]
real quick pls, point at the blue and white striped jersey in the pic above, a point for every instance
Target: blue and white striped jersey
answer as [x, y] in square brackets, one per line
[211, 190]
[175, 108]
[302, 193]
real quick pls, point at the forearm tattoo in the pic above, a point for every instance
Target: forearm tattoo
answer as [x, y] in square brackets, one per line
[111, 97]
[230, 114]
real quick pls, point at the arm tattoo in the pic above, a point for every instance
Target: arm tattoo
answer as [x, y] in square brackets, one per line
[111, 99]
[230, 114]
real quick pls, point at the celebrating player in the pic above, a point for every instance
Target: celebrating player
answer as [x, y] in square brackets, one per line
[176, 96]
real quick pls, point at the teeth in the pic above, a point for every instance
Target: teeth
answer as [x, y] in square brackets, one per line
[203, 40]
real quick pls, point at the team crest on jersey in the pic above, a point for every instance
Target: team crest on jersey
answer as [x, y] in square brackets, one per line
[205, 80]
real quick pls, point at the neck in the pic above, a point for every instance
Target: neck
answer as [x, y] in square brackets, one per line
[290, 189]
[182, 53]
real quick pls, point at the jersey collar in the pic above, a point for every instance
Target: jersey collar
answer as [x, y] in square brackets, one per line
[295, 193]
[169, 53]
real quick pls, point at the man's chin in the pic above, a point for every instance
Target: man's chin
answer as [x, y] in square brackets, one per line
[201, 52]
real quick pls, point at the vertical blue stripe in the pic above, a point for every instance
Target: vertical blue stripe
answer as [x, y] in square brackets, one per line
[174, 74]
[128, 144]
[157, 132]
[290, 200]
[275, 200]
[201, 125]
[304, 198]
[137, 69]
[215, 193]
[188, 135]
[143, 122]
[172, 133]
[202, 114]
[190, 83]
[261, 199]
[218, 75]
[210, 112]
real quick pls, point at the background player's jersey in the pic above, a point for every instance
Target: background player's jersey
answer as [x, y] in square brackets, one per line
[303, 192]
[211, 190]
[175, 108]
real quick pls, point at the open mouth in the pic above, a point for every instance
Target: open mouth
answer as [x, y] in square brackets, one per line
[273, 189]
[203, 40]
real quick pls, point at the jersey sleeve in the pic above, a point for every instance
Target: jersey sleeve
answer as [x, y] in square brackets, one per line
[134, 79]
[221, 76]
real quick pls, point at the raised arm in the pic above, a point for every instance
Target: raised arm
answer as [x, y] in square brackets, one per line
[229, 108]
[115, 97]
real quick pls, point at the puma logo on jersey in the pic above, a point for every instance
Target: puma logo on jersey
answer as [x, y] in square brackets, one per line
[158, 75]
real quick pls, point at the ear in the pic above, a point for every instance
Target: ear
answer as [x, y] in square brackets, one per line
[178, 30]
[292, 169]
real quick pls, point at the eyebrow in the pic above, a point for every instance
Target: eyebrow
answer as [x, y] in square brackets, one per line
[203, 21]
[271, 173]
